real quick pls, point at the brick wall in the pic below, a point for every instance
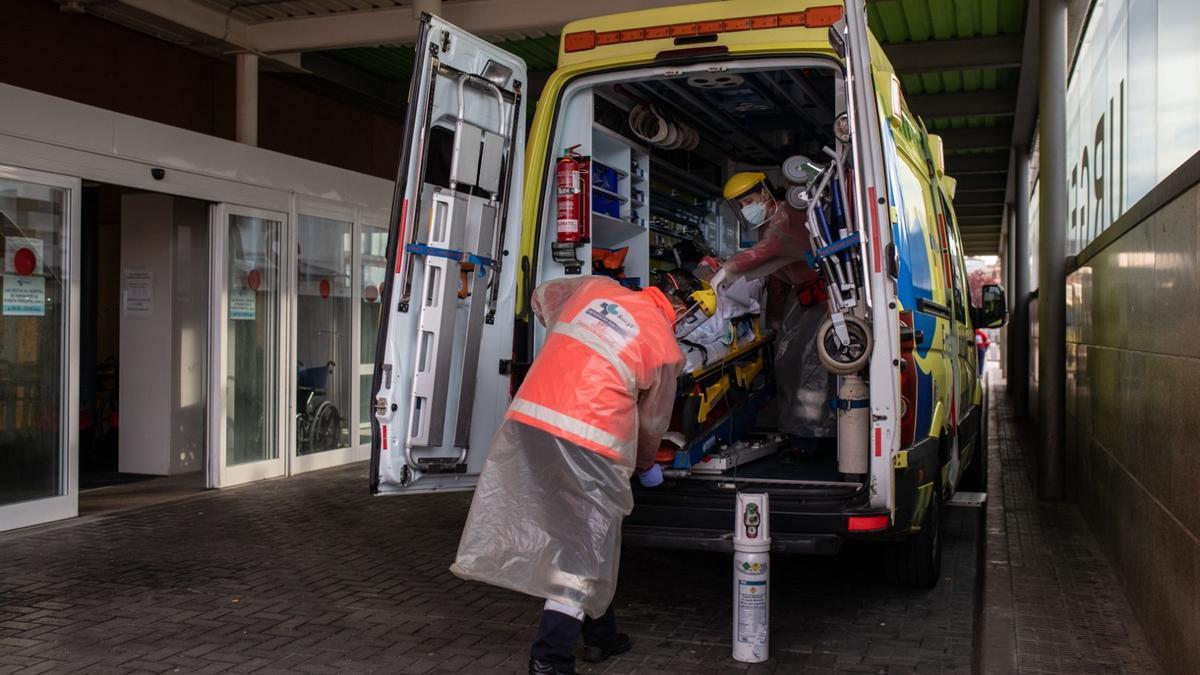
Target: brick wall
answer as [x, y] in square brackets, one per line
[90, 60]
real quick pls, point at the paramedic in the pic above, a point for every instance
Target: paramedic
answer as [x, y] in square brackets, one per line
[795, 309]
[546, 516]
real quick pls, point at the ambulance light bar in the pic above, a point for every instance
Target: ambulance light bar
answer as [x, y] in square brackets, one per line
[813, 17]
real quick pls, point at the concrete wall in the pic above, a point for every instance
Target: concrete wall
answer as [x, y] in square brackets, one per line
[1133, 395]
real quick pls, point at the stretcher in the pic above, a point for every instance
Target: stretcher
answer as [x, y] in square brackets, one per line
[718, 403]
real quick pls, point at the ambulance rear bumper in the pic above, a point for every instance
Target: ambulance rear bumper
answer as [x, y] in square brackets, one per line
[722, 542]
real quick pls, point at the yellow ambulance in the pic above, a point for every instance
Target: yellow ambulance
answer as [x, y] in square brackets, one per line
[634, 136]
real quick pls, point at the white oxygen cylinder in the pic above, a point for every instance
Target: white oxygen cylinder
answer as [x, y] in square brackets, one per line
[751, 574]
[853, 425]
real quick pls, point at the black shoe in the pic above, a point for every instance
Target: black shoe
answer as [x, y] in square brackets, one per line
[595, 654]
[537, 667]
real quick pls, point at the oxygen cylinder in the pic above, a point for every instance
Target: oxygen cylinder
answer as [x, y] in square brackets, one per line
[751, 574]
[853, 425]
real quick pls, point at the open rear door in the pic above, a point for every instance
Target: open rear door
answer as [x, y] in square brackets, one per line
[872, 210]
[440, 385]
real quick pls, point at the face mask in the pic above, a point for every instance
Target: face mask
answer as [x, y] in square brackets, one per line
[754, 213]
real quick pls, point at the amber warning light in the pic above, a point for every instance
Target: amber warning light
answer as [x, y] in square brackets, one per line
[813, 17]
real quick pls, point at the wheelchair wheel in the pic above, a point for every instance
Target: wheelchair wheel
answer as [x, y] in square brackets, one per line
[846, 359]
[326, 428]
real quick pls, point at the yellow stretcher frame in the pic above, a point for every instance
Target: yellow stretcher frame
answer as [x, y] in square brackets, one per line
[743, 372]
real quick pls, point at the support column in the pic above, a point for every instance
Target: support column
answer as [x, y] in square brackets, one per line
[247, 99]
[1052, 256]
[1018, 325]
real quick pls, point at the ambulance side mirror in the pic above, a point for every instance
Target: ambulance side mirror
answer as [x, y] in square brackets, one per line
[994, 312]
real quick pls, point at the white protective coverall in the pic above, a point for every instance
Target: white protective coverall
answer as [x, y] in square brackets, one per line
[546, 516]
[803, 385]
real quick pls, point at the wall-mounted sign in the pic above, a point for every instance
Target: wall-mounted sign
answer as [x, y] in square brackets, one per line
[243, 304]
[137, 292]
[1132, 103]
[24, 295]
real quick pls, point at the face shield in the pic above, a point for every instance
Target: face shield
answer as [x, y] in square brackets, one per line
[749, 196]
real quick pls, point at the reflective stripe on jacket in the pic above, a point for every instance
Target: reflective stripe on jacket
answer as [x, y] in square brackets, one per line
[608, 347]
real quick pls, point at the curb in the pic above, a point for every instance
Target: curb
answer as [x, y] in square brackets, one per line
[995, 624]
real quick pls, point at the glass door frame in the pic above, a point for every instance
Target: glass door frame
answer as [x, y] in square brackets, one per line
[378, 222]
[220, 475]
[66, 504]
[345, 213]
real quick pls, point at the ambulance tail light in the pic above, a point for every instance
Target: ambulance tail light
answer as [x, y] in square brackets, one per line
[867, 523]
[908, 379]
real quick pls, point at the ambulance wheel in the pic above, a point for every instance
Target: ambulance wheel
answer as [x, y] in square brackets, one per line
[916, 562]
[842, 359]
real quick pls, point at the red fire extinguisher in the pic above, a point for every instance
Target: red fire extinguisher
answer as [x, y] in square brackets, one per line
[573, 175]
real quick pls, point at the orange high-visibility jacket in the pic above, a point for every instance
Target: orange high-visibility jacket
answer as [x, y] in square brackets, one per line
[605, 378]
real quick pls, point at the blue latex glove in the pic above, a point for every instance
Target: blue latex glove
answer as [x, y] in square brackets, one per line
[651, 477]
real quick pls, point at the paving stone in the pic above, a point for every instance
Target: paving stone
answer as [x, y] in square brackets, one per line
[309, 574]
[1069, 612]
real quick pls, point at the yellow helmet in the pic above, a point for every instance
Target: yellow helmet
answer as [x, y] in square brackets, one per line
[743, 182]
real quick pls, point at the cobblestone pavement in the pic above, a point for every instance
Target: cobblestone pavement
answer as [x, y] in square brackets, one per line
[310, 574]
[1068, 612]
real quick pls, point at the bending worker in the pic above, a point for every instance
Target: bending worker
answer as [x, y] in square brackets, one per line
[546, 516]
[795, 306]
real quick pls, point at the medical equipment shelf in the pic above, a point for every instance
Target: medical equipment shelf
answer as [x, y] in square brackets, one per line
[609, 225]
[618, 219]
[610, 193]
[619, 172]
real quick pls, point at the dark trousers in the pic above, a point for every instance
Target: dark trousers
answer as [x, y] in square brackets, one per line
[556, 637]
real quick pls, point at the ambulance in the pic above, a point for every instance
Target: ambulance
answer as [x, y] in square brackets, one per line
[621, 173]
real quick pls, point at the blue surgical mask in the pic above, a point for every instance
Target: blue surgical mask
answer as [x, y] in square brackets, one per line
[754, 213]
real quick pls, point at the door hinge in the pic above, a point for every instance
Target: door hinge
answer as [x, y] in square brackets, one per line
[900, 460]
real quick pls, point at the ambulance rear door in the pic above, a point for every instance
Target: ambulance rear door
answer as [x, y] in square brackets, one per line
[872, 144]
[441, 382]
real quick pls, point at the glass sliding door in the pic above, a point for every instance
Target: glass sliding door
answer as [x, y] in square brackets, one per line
[247, 344]
[39, 228]
[323, 411]
[373, 255]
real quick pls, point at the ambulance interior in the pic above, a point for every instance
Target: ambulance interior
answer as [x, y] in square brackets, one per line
[660, 145]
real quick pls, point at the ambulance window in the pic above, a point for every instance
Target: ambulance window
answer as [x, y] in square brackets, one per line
[437, 164]
[960, 310]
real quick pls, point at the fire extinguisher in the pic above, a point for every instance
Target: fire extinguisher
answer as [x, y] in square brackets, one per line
[573, 176]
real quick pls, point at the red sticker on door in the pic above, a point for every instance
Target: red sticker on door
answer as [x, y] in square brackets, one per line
[25, 261]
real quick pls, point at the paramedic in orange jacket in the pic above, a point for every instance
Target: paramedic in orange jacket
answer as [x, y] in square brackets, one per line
[795, 307]
[546, 516]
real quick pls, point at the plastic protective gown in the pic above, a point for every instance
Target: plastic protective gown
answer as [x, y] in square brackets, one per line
[802, 383]
[546, 516]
